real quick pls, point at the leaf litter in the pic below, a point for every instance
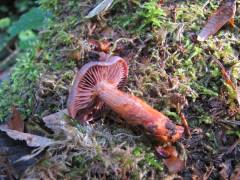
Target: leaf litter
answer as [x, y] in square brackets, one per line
[20, 150]
[154, 58]
[104, 148]
[172, 159]
[225, 13]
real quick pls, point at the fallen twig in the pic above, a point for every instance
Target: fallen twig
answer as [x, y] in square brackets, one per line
[237, 123]
[229, 81]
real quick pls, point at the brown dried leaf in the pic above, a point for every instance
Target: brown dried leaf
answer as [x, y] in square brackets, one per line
[94, 44]
[224, 14]
[16, 122]
[76, 55]
[174, 164]
[105, 46]
[102, 45]
[167, 151]
[172, 161]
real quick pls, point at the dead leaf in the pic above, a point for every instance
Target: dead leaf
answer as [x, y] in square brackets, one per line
[105, 46]
[102, 45]
[174, 164]
[224, 14]
[10, 152]
[31, 139]
[94, 44]
[172, 161]
[76, 55]
[167, 151]
[100, 8]
[16, 122]
[56, 121]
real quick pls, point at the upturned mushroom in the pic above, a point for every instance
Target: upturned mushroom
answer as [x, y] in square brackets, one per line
[98, 83]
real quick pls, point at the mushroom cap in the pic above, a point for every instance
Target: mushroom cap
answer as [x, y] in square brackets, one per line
[83, 97]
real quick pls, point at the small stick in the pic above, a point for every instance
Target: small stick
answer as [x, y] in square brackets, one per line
[184, 121]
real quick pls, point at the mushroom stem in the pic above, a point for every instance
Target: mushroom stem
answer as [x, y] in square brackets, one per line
[137, 112]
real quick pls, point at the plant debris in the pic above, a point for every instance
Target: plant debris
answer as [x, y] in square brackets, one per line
[229, 82]
[224, 14]
[158, 41]
[10, 152]
[16, 122]
[30, 139]
[56, 121]
[100, 8]
[172, 160]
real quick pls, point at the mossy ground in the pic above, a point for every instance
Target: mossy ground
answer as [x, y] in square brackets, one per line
[164, 60]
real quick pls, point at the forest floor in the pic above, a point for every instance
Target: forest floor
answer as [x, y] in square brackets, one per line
[168, 67]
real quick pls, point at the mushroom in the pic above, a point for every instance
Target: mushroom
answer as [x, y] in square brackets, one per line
[98, 83]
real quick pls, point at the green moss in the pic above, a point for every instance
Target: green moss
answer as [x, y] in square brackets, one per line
[5, 22]
[149, 158]
[234, 133]
[172, 115]
[203, 90]
[147, 15]
[50, 5]
[20, 90]
[110, 153]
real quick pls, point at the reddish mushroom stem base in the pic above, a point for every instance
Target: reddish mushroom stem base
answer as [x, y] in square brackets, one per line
[137, 112]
